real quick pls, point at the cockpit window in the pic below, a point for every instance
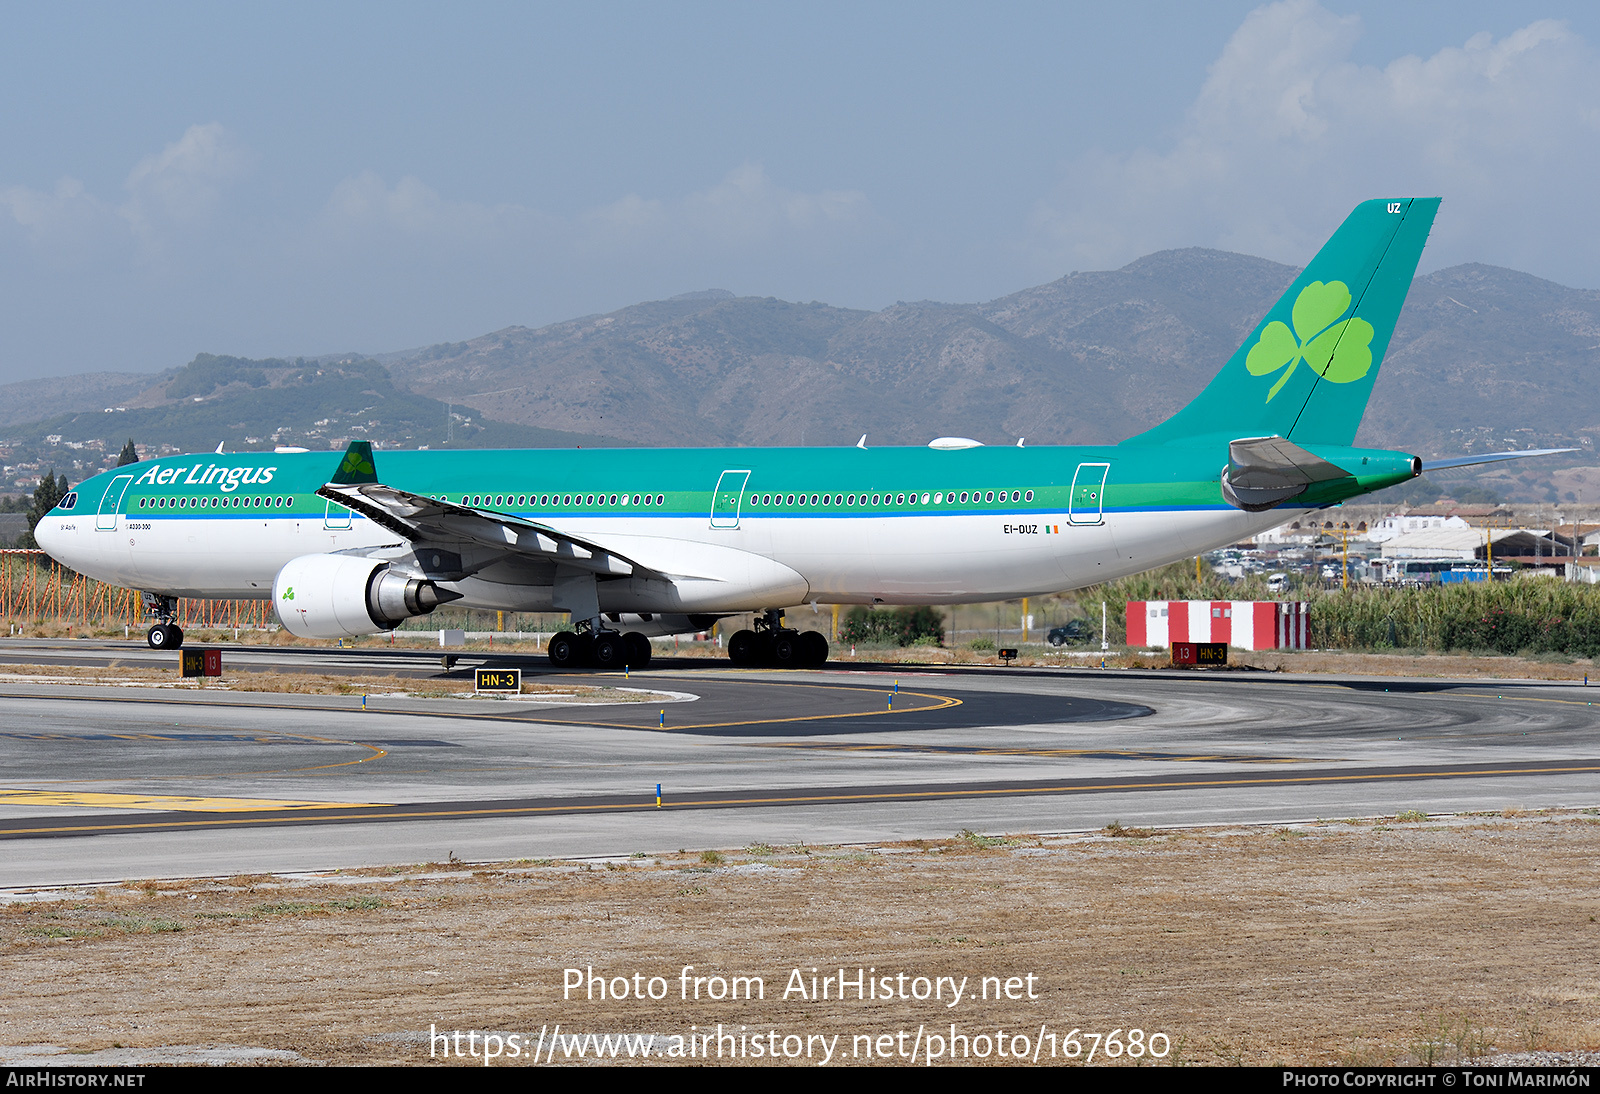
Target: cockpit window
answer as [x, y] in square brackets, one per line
[69, 501]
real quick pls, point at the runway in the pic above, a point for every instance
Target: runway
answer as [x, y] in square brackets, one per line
[108, 783]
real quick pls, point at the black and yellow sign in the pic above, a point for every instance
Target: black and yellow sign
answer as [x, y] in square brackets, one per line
[200, 662]
[497, 680]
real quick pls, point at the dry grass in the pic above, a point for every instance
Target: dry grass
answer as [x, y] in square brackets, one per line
[1398, 663]
[1407, 663]
[1364, 663]
[1344, 942]
[303, 683]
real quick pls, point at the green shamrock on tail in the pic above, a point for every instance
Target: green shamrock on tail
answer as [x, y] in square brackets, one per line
[1340, 352]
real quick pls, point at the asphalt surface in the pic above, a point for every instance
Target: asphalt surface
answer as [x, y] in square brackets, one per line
[106, 783]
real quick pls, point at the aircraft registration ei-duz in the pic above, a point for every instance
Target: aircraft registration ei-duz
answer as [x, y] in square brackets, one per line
[633, 543]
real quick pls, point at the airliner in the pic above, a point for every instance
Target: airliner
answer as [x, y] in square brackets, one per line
[633, 543]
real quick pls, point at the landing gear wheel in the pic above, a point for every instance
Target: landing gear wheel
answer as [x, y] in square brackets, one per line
[563, 650]
[638, 647]
[814, 649]
[164, 636]
[762, 648]
[742, 648]
[608, 651]
[786, 649]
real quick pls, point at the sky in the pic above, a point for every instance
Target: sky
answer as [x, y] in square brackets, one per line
[300, 179]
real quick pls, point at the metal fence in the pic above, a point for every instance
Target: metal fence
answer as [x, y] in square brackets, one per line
[35, 589]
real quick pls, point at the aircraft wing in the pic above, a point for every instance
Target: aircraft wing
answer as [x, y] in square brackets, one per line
[423, 519]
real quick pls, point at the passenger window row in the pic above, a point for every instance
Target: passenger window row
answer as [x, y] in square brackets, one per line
[217, 503]
[564, 501]
[941, 497]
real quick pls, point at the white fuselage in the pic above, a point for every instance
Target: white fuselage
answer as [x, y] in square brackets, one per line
[766, 561]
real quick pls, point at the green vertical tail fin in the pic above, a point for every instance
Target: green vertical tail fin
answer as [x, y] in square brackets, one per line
[1306, 371]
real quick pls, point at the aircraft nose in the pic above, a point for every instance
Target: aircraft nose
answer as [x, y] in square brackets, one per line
[49, 536]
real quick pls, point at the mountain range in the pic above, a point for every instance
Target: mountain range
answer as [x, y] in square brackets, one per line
[1482, 359]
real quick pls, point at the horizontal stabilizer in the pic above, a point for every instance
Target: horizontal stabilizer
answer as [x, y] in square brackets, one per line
[1489, 457]
[1266, 471]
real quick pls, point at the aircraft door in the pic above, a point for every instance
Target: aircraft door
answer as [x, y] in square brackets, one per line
[1087, 503]
[336, 518]
[725, 501]
[111, 504]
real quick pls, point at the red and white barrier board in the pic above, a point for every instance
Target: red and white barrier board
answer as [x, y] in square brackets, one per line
[1243, 624]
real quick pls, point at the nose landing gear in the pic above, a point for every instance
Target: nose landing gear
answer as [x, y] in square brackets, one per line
[165, 635]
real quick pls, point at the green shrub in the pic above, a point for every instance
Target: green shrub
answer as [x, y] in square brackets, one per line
[1504, 617]
[1539, 617]
[893, 626]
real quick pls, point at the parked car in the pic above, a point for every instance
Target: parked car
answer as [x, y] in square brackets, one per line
[1074, 630]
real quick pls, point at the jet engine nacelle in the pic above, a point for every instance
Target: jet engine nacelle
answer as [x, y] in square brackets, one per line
[341, 596]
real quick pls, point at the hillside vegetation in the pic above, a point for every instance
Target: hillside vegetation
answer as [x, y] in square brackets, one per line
[1482, 359]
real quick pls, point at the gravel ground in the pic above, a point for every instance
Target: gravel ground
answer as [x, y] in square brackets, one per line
[1341, 942]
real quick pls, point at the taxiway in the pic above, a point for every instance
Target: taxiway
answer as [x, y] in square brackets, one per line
[107, 783]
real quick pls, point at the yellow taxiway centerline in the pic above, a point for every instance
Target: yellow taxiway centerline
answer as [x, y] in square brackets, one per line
[166, 802]
[736, 799]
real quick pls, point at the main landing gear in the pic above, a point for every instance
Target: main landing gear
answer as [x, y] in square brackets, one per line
[165, 635]
[600, 649]
[771, 643]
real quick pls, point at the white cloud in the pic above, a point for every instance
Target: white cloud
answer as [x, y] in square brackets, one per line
[1287, 134]
[411, 209]
[745, 210]
[391, 257]
[182, 185]
[748, 206]
[64, 222]
[176, 190]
